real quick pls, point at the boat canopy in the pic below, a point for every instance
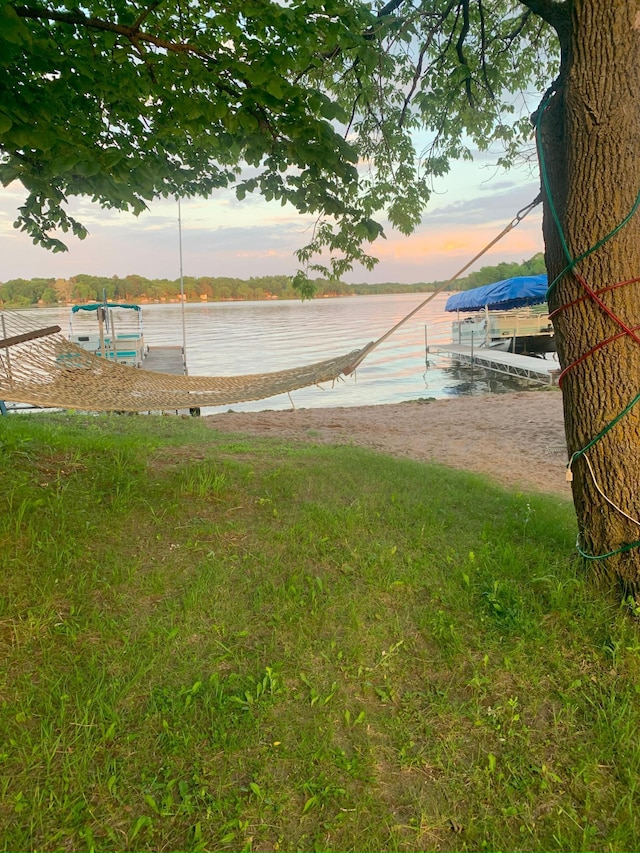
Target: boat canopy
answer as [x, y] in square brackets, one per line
[93, 306]
[504, 295]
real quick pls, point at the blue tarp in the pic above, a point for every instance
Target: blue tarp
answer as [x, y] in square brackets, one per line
[502, 295]
[93, 306]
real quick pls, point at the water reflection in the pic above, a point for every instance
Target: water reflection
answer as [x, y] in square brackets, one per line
[466, 380]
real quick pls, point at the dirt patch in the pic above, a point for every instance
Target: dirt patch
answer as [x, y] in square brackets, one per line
[515, 439]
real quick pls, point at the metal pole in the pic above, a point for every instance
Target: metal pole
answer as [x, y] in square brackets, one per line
[184, 325]
[114, 337]
[101, 313]
[106, 310]
[9, 374]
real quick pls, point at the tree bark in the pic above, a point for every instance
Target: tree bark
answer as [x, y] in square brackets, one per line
[590, 144]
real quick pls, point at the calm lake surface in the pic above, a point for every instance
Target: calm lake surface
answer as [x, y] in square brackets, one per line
[228, 338]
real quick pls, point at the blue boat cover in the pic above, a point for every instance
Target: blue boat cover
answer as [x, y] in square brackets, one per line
[93, 306]
[503, 295]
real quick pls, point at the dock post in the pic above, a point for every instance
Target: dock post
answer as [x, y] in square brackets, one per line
[114, 337]
[9, 372]
[101, 315]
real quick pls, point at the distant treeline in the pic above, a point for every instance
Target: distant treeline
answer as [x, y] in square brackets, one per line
[22, 293]
[487, 275]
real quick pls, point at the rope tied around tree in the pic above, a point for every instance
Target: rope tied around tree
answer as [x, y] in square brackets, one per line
[595, 296]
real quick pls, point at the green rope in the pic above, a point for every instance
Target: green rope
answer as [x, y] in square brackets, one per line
[545, 180]
[620, 550]
[606, 429]
[596, 246]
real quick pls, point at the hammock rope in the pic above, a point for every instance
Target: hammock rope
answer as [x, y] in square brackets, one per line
[40, 367]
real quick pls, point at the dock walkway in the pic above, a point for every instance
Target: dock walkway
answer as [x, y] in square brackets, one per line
[540, 370]
[164, 360]
[168, 360]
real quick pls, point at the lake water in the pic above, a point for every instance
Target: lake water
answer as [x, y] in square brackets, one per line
[231, 338]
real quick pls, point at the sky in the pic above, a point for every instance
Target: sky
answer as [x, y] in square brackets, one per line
[224, 237]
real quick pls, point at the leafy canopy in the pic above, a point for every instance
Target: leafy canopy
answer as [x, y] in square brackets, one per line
[311, 102]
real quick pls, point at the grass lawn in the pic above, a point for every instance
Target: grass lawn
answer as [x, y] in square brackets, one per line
[216, 643]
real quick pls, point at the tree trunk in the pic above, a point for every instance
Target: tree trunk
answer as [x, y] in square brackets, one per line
[590, 135]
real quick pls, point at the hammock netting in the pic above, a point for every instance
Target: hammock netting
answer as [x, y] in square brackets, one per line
[52, 372]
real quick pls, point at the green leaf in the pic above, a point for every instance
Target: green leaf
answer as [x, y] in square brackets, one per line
[88, 168]
[274, 87]
[310, 803]
[64, 163]
[12, 28]
[142, 822]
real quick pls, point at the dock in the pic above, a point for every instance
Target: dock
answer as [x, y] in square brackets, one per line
[511, 364]
[168, 360]
[164, 360]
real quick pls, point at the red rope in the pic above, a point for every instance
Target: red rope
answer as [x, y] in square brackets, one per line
[601, 290]
[591, 351]
[593, 294]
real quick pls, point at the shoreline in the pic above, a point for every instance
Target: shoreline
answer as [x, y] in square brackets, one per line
[515, 439]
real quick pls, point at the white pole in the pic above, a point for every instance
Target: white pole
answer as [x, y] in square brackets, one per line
[9, 374]
[184, 326]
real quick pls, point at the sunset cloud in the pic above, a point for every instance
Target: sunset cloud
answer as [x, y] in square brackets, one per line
[224, 237]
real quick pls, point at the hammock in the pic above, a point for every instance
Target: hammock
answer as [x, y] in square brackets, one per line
[40, 367]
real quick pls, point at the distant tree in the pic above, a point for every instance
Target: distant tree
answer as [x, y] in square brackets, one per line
[82, 290]
[535, 265]
[49, 296]
[92, 287]
[205, 287]
[491, 273]
[22, 292]
[134, 286]
[223, 291]
[63, 288]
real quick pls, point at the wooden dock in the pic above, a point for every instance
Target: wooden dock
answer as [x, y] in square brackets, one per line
[168, 360]
[540, 370]
[164, 360]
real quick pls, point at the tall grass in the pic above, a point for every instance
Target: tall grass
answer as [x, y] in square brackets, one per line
[216, 643]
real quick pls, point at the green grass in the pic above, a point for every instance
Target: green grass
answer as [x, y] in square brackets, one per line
[211, 642]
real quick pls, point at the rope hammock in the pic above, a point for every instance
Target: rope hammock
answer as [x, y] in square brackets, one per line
[40, 367]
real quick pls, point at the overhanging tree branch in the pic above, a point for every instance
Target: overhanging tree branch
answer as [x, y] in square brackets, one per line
[557, 15]
[460, 51]
[132, 33]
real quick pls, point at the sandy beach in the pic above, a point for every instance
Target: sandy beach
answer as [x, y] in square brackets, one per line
[515, 439]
